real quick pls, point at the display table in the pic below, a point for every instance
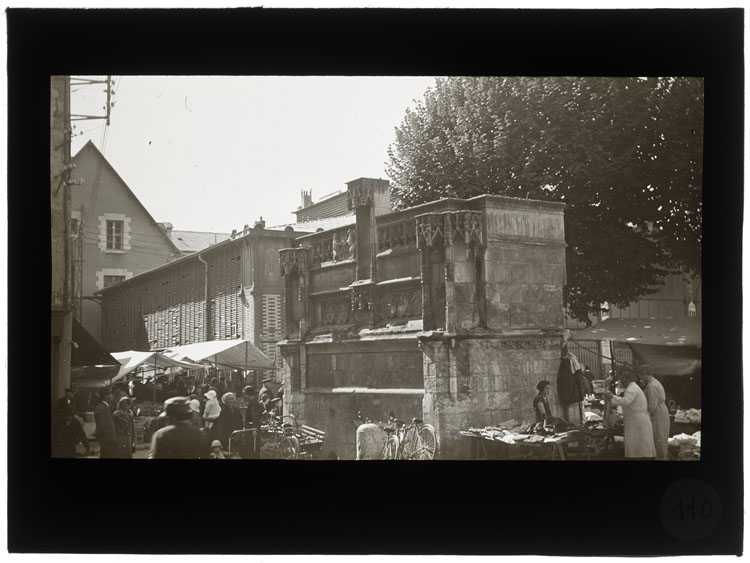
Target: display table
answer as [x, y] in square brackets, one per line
[484, 446]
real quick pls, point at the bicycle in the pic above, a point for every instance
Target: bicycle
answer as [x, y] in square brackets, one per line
[415, 441]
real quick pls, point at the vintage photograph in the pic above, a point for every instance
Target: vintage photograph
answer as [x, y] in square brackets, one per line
[376, 267]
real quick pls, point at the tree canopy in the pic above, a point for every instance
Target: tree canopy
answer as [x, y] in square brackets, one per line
[624, 154]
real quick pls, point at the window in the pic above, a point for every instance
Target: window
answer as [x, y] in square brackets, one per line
[111, 280]
[115, 235]
[110, 276]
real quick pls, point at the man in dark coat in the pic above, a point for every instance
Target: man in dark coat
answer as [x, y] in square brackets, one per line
[179, 440]
[105, 425]
[66, 434]
[66, 401]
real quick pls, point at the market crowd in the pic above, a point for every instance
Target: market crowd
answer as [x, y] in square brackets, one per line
[196, 421]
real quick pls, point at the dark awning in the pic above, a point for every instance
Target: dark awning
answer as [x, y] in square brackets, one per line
[668, 360]
[660, 332]
[86, 350]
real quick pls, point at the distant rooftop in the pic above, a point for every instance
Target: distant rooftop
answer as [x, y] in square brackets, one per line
[332, 205]
[326, 223]
[195, 241]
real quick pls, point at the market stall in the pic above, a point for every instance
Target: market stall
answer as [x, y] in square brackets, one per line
[672, 349]
[556, 440]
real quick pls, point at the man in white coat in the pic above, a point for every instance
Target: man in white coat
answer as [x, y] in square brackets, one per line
[639, 433]
[657, 410]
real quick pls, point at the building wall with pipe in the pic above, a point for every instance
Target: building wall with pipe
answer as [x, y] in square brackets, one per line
[224, 292]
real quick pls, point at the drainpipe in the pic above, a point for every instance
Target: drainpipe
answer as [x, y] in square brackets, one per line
[205, 298]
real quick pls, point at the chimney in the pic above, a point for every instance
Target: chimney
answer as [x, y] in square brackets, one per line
[167, 228]
[306, 199]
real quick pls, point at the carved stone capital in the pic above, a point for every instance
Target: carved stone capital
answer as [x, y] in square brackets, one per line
[359, 196]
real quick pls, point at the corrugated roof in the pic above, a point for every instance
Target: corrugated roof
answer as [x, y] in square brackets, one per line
[326, 224]
[193, 241]
[332, 206]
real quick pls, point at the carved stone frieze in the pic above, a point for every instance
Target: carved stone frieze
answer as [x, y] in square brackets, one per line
[293, 259]
[334, 312]
[433, 228]
[399, 304]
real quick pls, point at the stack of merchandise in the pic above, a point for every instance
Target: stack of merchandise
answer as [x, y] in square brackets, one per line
[689, 416]
[686, 446]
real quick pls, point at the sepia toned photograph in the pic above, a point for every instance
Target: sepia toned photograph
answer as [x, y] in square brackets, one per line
[420, 268]
[313, 245]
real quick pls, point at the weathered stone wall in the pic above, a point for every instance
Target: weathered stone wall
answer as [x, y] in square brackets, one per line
[484, 381]
[360, 368]
[336, 414]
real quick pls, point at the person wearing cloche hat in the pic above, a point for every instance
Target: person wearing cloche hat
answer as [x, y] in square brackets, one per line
[216, 452]
[195, 417]
[124, 429]
[211, 413]
[179, 440]
[230, 418]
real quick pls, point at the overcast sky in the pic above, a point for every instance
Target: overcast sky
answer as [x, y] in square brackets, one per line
[215, 153]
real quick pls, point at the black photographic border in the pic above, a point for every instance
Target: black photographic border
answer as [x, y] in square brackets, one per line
[545, 508]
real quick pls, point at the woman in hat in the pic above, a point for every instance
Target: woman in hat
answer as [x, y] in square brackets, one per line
[124, 429]
[657, 410]
[195, 416]
[541, 406]
[639, 433]
[211, 413]
[230, 418]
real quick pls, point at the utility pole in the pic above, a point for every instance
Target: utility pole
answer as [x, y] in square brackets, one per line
[79, 229]
[61, 299]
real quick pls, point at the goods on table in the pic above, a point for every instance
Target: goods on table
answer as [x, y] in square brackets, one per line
[689, 416]
[687, 446]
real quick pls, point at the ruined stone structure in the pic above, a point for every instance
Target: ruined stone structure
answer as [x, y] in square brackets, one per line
[451, 311]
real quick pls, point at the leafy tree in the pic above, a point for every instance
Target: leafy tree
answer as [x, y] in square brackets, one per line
[624, 154]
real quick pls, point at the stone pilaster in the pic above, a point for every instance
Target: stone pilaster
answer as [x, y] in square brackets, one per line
[295, 264]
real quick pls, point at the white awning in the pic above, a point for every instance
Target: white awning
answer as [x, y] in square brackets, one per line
[233, 354]
[133, 359]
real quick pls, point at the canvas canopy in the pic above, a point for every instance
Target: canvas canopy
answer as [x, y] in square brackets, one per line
[669, 346]
[659, 332]
[132, 360]
[233, 354]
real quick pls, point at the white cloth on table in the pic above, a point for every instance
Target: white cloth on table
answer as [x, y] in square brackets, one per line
[639, 433]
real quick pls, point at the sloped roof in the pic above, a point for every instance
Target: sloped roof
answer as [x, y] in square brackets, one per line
[326, 224]
[98, 154]
[193, 241]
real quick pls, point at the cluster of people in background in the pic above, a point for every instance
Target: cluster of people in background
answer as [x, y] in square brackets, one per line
[207, 419]
[200, 418]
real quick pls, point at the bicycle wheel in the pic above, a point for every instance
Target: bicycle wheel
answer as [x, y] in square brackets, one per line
[423, 444]
[390, 448]
[288, 448]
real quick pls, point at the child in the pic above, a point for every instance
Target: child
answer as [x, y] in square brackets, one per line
[216, 452]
